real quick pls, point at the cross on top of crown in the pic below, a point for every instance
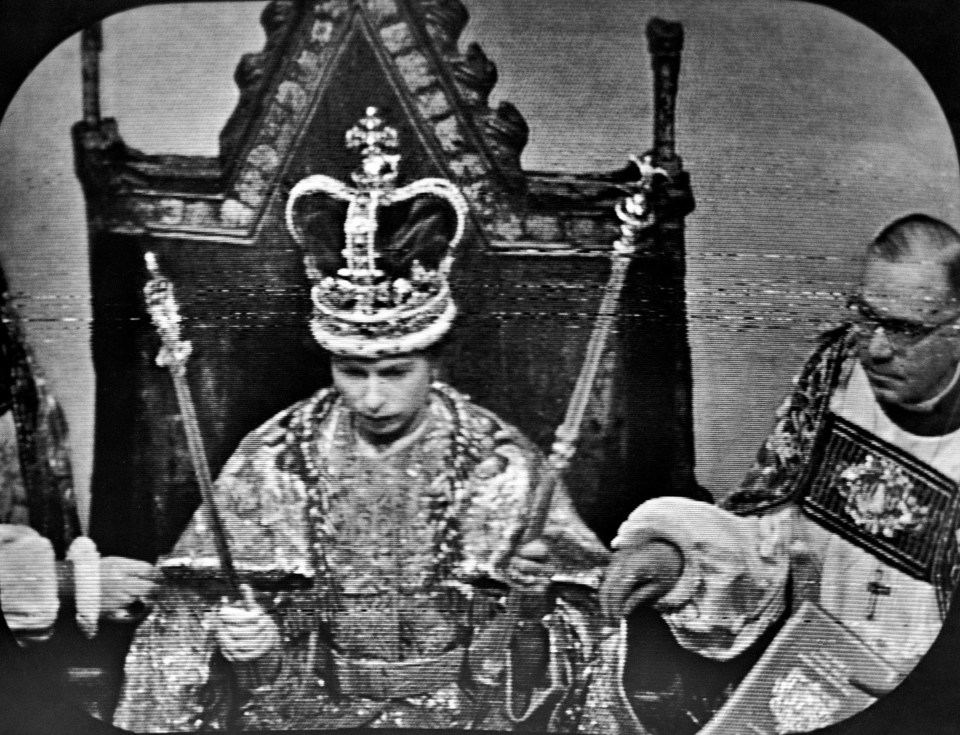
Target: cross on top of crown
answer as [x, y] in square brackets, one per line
[377, 142]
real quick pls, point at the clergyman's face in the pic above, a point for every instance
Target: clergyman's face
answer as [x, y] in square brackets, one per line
[388, 395]
[911, 348]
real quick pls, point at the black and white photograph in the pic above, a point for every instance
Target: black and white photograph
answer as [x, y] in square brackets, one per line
[441, 365]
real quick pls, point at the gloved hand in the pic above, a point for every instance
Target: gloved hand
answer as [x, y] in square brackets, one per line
[28, 582]
[639, 575]
[530, 560]
[127, 588]
[249, 638]
[245, 631]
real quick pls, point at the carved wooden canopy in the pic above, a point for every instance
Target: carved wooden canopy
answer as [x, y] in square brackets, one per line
[528, 284]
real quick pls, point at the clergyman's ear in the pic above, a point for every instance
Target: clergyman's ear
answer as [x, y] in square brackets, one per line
[954, 331]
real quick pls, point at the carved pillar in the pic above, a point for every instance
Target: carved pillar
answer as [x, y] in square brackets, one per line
[91, 44]
[656, 405]
[665, 41]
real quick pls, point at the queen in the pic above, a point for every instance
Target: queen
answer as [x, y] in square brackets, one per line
[376, 527]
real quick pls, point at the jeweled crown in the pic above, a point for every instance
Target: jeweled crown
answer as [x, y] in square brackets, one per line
[375, 303]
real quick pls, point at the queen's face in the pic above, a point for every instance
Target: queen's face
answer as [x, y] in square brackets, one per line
[388, 396]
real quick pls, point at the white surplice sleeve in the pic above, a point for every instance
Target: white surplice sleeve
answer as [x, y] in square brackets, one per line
[734, 576]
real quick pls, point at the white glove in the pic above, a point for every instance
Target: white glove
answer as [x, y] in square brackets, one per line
[28, 582]
[245, 631]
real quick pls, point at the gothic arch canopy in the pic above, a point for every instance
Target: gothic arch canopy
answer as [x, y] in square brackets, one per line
[528, 282]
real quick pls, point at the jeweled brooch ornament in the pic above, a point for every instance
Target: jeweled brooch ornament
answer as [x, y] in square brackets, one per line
[880, 497]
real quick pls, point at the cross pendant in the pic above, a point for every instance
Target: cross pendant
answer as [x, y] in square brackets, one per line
[876, 588]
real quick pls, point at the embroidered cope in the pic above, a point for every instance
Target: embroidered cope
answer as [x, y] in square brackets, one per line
[383, 570]
[841, 507]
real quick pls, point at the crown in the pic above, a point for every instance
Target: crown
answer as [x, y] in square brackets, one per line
[381, 293]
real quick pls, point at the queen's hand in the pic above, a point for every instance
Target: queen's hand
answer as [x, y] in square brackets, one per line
[531, 560]
[249, 638]
[128, 587]
[245, 631]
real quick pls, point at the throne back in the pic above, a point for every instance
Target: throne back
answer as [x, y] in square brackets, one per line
[528, 278]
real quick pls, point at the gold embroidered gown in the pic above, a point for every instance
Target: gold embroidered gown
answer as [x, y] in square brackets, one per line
[385, 573]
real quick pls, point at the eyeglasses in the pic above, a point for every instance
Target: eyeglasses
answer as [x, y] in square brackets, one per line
[868, 320]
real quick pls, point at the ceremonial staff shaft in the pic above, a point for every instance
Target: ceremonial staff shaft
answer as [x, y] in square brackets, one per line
[568, 433]
[173, 355]
[526, 600]
[635, 216]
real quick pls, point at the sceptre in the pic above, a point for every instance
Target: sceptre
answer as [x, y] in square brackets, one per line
[173, 355]
[636, 216]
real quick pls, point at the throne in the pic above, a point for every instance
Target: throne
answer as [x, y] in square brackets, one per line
[529, 277]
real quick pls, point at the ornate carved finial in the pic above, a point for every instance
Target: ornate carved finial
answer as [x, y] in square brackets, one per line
[91, 44]
[664, 37]
[445, 20]
[277, 19]
[665, 41]
[474, 73]
[165, 315]
[275, 16]
[634, 211]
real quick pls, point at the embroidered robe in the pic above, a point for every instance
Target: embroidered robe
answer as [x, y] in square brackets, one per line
[385, 572]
